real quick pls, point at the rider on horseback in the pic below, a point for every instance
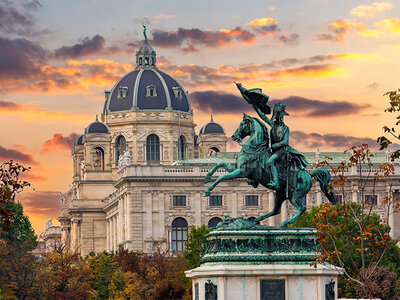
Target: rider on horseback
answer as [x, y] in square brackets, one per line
[280, 143]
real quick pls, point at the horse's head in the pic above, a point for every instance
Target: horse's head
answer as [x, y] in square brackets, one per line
[244, 129]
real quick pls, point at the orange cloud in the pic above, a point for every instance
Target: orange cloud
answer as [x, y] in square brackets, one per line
[59, 142]
[17, 155]
[370, 11]
[36, 113]
[263, 22]
[389, 26]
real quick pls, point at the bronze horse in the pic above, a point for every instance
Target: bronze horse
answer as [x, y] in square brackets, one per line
[294, 183]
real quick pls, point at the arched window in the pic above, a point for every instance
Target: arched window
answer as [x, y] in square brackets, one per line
[214, 222]
[252, 218]
[98, 158]
[152, 148]
[213, 151]
[179, 234]
[120, 147]
[181, 148]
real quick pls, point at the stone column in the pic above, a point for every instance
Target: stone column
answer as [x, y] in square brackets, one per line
[234, 202]
[319, 198]
[64, 236]
[284, 211]
[162, 199]
[271, 198]
[107, 236]
[197, 207]
[128, 221]
[354, 195]
[115, 220]
[149, 215]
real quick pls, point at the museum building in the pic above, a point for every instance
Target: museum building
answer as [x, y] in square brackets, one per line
[138, 172]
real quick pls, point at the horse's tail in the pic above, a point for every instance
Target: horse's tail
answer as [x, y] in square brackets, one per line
[323, 176]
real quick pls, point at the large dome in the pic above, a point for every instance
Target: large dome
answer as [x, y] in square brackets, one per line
[147, 88]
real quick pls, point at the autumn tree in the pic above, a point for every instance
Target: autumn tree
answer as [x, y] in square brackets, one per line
[18, 265]
[348, 288]
[353, 225]
[384, 141]
[103, 268]
[154, 275]
[65, 275]
[10, 185]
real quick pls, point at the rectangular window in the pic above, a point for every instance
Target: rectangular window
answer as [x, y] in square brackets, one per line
[339, 198]
[251, 200]
[179, 200]
[371, 199]
[215, 200]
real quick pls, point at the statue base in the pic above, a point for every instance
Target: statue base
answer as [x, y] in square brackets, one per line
[245, 260]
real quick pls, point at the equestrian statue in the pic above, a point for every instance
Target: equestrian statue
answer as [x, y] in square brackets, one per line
[269, 160]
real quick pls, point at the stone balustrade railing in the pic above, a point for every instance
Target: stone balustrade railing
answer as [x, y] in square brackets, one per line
[201, 171]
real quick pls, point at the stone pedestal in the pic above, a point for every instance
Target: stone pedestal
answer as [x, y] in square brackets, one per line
[266, 281]
[245, 260]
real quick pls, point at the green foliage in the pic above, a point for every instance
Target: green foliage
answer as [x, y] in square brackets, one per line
[18, 267]
[383, 141]
[195, 246]
[103, 268]
[20, 233]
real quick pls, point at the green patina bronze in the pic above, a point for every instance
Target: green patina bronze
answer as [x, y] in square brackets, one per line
[243, 241]
[271, 162]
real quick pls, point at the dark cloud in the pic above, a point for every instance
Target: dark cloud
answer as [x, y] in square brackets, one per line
[333, 142]
[42, 203]
[8, 105]
[19, 58]
[59, 141]
[189, 38]
[16, 17]
[373, 85]
[216, 102]
[292, 39]
[318, 108]
[87, 46]
[16, 155]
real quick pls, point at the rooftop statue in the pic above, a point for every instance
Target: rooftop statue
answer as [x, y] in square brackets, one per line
[271, 162]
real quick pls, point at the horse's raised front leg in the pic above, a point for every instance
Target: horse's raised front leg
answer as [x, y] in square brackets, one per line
[224, 165]
[280, 197]
[237, 173]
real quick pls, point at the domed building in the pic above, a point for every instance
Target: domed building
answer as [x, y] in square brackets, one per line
[138, 172]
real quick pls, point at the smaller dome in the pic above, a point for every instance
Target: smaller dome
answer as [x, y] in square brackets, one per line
[97, 127]
[79, 141]
[211, 127]
[146, 49]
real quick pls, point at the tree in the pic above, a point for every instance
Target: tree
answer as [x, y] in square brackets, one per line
[103, 268]
[195, 246]
[351, 235]
[384, 142]
[153, 275]
[10, 185]
[17, 263]
[64, 275]
[348, 288]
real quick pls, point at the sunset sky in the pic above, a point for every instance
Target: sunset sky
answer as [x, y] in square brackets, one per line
[329, 61]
